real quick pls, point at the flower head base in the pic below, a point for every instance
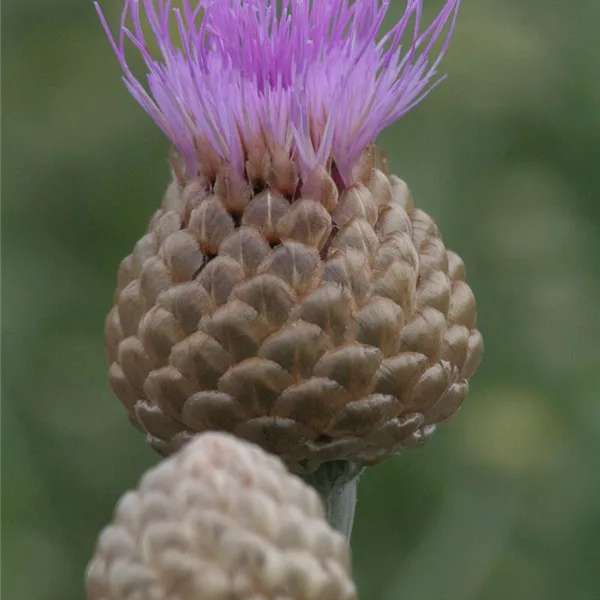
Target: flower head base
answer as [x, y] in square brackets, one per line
[305, 80]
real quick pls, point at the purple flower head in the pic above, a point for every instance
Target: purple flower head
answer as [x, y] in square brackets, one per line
[308, 78]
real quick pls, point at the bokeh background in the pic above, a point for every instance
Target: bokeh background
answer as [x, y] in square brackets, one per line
[505, 502]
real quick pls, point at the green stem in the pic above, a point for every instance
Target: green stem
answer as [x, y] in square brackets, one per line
[336, 483]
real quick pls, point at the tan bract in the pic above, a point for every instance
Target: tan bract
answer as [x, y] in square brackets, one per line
[320, 321]
[221, 520]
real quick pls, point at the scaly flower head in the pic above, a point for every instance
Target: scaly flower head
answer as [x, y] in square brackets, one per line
[303, 79]
[220, 520]
[288, 291]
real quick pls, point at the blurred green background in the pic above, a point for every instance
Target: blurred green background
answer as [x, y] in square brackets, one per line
[505, 502]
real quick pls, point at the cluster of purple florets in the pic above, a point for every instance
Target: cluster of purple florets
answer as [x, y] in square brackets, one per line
[309, 77]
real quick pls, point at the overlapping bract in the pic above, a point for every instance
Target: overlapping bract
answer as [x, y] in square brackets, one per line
[308, 78]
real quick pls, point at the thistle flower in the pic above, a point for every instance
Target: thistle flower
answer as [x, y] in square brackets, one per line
[288, 291]
[221, 519]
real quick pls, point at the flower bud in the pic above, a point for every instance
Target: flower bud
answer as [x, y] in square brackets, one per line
[221, 520]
